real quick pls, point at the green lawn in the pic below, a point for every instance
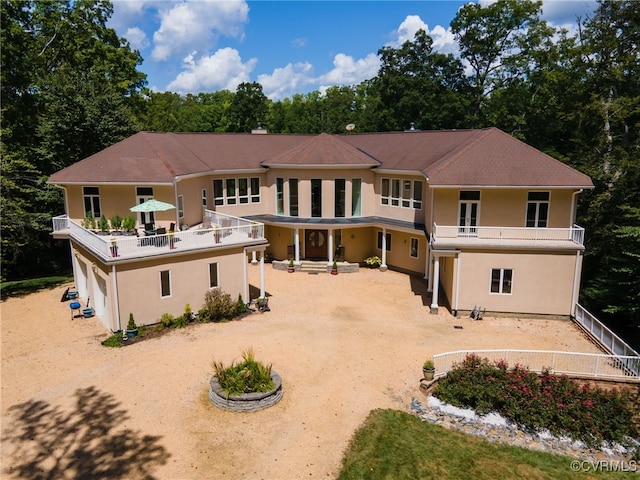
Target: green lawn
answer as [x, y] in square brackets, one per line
[23, 287]
[395, 445]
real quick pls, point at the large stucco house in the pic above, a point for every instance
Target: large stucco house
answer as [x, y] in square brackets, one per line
[482, 217]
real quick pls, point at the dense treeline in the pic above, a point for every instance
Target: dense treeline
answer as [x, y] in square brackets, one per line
[70, 87]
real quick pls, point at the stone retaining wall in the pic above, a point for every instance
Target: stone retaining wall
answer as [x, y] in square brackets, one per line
[248, 402]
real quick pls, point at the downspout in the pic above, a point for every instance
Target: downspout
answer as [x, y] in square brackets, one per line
[175, 202]
[246, 278]
[115, 293]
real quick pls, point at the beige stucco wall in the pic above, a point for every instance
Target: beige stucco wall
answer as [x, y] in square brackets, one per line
[542, 281]
[139, 289]
[503, 207]
[399, 255]
[279, 239]
[399, 213]
[328, 177]
[117, 200]
[138, 283]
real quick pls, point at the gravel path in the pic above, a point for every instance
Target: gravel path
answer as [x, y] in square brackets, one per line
[343, 345]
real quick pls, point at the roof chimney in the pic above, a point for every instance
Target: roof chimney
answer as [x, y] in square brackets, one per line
[259, 130]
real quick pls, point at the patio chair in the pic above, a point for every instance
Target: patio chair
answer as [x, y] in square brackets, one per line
[263, 305]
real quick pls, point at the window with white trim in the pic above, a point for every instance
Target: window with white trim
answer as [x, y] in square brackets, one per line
[213, 275]
[255, 189]
[413, 247]
[204, 197]
[279, 196]
[403, 193]
[218, 192]
[388, 238]
[91, 198]
[180, 206]
[501, 281]
[537, 209]
[231, 191]
[293, 197]
[165, 283]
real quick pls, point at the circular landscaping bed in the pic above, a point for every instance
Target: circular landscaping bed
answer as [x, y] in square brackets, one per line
[245, 402]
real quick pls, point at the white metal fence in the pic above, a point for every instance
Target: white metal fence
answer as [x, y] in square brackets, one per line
[568, 363]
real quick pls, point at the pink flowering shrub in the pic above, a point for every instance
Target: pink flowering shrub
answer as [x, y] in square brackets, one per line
[545, 401]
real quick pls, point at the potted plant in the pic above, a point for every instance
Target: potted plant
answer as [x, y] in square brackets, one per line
[172, 240]
[128, 224]
[428, 369]
[103, 224]
[216, 233]
[116, 224]
[89, 221]
[254, 230]
[334, 268]
[292, 267]
[132, 328]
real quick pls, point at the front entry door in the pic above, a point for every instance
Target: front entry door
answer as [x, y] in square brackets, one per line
[315, 244]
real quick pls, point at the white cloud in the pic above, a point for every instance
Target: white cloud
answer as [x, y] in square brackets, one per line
[222, 70]
[347, 71]
[284, 82]
[443, 38]
[196, 25]
[137, 38]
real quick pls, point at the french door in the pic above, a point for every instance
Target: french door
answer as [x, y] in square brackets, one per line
[469, 209]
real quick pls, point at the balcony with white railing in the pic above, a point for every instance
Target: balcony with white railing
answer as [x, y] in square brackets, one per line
[216, 231]
[453, 236]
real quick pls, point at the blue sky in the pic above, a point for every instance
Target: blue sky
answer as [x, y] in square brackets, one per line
[289, 47]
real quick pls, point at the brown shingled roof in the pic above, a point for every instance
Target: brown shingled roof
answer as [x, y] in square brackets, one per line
[323, 150]
[487, 157]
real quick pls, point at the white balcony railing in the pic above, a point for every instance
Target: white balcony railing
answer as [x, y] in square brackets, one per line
[222, 231]
[452, 234]
[592, 365]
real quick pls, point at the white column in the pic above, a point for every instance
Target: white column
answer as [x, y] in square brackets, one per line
[330, 246]
[262, 291]
[253, 258]
[384, 248]
[427, 254]
[436, 281]
[296, 244]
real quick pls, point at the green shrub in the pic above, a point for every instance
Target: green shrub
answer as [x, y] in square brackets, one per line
[373, 262]
[113, 341]
[249, 376]
[129, 223]
[218, 306]
[132, 324]
[556, 403]
[241, 307]
[103, 223]
[166, 320]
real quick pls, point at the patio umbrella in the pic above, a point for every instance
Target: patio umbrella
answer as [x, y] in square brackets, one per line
[152, 205]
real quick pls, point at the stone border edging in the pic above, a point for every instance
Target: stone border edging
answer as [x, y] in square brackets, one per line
[247, 402]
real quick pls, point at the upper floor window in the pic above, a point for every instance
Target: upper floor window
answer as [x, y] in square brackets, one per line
[316, 197]
[218, 192]
[356, 197]
[340, 200]
[279, 196]
[293, 197]
[91, 198]
[180, 206]
[537, 209]
[235, 191]
[204, 197]
[401, 193]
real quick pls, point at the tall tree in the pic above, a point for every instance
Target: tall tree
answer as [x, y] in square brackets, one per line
[249, 107]
[68, 88]
[419, 86]
[494, 39]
